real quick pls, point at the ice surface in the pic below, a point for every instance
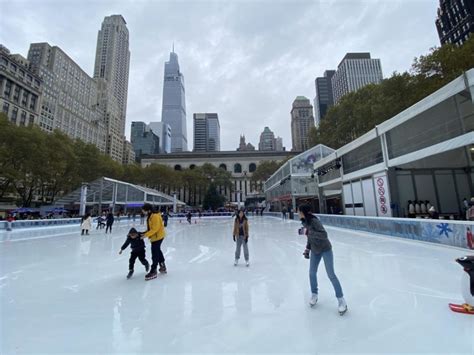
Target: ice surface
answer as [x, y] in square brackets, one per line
[62, 293]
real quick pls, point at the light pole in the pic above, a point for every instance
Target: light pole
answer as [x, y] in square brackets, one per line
[174, 202]
[82, 208]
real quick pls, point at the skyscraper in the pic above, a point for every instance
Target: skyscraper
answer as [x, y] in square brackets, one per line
[174, 104]
[207, 136]
[144, 140]
[163, 131]
[112, 59]
[455, 22]
[112, 63]
[301, 122]
[324, 98]
[355, 71]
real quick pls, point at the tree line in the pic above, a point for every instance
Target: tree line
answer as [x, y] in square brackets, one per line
[360, 111]
[35, 165]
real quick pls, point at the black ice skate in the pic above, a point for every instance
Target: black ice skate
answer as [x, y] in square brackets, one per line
[130, 273]
[162, 268]
[151, 275]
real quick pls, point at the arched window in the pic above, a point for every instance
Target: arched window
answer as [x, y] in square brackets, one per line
[252, 167]
[192, 166]
[177, 167]
[223, 167]
[237, 168]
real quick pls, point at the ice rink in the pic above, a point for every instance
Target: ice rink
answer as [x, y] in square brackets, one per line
[66, 293]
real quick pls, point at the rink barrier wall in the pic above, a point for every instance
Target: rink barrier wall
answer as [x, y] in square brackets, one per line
[34, 223]
[441, 231]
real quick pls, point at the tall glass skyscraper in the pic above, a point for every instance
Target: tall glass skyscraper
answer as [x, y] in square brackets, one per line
[174, 105]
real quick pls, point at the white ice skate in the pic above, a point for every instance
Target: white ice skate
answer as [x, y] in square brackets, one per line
[247, 263]
[236, 262]
[313, 300]
[342, 306]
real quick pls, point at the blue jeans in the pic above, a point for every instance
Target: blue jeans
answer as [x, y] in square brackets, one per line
[329, 264]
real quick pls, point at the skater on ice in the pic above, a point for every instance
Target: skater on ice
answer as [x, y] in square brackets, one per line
[138, 251]
[155, 233]
[110, 222]
[86, 224]
[188, 217]
[319, 247]
[241, 236]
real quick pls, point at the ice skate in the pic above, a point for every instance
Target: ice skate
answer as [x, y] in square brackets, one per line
[130, 273]
[247, 263]
[342, 307]
[162, 268]
[313, 300]
[151, 275]
[236, 262]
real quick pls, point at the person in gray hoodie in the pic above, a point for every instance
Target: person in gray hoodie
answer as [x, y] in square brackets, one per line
[319, 247]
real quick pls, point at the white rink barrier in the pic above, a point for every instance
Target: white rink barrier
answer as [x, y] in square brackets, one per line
[440, 231]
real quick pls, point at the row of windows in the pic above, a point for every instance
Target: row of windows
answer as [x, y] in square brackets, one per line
[14, 115]
[237, 167]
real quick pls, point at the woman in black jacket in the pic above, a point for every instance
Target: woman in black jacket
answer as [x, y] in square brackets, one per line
[319, 247]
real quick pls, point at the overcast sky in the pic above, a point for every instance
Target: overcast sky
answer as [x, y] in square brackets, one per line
[246, 60]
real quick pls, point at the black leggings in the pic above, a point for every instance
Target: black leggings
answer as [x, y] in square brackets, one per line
[156, 254]
[108, 228]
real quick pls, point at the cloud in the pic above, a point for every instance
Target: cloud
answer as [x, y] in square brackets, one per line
[245, 60]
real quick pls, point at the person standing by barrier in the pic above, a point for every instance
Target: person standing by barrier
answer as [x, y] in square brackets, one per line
[241, 236]
[109, 222]
[155, 233]
[319, 247]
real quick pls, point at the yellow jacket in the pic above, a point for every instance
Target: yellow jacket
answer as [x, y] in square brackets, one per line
[155, 227]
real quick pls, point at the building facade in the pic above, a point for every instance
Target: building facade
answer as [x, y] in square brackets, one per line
[163, 131]
[324, 97]
[112, 60]
[174, 105]
[355, 71]
[128, 153]
[267, 140]
[112, 65]
[144, 140]
[207, 136]
[20, 89]
[301, 122]
[240, 164]
[455, 21]
[70, 97]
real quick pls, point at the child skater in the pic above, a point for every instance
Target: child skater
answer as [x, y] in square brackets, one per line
[138, 250]
[319, 247]
[86, 224]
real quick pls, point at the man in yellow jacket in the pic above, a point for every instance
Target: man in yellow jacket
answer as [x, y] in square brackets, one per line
[155, 233]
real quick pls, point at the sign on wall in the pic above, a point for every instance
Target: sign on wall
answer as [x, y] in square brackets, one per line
[382, 195]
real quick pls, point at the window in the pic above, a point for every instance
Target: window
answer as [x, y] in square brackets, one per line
[237, 168]
[6, 107]
[223, 167]
[24, 99]
[16, 94]
[23, 118]
[8, 89]
[177, 167]
[32, 119]
[252, 167]
[33, 102]
[14, 114]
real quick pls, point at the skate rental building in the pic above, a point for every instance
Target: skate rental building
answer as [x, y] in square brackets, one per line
[423, 154]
